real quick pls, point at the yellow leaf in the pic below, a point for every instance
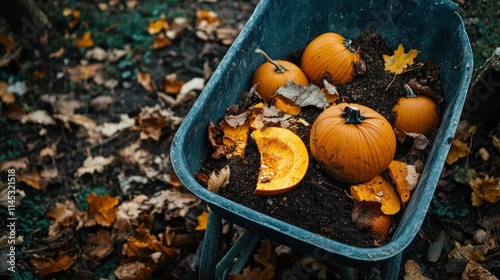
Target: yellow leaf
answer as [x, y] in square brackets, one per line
[398, 62]
[85, 41]
[202, 221]
[103, 208]
[485, 189]
[45, 266]
[458, 150]
[157, 26]
[172, 85]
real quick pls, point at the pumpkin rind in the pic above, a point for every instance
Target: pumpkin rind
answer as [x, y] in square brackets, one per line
[352, 153]
[329, 52]
[270, 78]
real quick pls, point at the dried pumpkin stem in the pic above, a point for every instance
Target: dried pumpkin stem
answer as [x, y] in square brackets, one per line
[409, 91]
[347, 43]
[279, 68]
[352, 115]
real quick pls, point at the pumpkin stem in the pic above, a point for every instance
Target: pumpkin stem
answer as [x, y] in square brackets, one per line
[279, 68]
[409, 91]
[352, 115]
[347, 43]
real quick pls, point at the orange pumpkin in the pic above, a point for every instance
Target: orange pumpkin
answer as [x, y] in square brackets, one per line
[352, 142]
[417, 114]
[331, 53]
[276, 73]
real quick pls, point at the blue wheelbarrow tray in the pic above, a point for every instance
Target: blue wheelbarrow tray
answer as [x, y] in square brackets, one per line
[282, 27]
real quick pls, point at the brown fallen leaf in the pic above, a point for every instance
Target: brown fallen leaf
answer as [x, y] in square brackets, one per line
[99, 245]
[39, 117]
[171, 84]
[101, 102]
[425, 90]
[127, 215]
[82, 73]
[102, 208]
[461, 255]
[6, 96]
[218, 179]
[144, 244]
[14, 112]
[146, 81]
[161, 40]
[413, 272]
[457, 151]
[134, 271]
[473, 271]
[64, 215]
[94, 164]
[485, 189]
[46, 266]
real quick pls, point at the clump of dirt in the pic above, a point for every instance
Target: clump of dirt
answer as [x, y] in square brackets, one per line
[319, 203]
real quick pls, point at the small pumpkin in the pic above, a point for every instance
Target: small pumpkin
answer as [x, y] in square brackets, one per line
[329, 53]
[416, 114]
[276, 73]
[352, 142]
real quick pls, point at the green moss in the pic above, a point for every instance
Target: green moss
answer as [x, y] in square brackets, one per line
[484, 28]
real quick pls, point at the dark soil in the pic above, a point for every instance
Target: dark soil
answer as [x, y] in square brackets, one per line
[321, 204]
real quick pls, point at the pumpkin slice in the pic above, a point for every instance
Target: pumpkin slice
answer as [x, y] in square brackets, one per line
[286, 105]
[283, 160]
[397, 170]
[378, 189]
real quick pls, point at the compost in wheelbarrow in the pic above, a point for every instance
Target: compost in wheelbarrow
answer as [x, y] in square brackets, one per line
[283, 27]
[319, 203]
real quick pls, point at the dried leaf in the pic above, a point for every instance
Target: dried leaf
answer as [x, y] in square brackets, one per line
[485, 189]
[126, 216]
[102, 208]
[101, 102]
[134, 271]
[172, 203]
[144, 244]
[496, 142]
[425, 90]
[64, 215]
[6, 198]
[171, 84]
[303, 96]
[195, 84]
[411, 177]
[82, 73]
[45, 266]
[413, 272]
[38, 180]
[330, 92]
[14, 112]
[7, 97]
[219, 179]
[420, 141]
[464, 130]
[39, 117]
[202, 221]
[161, 40]
[93, 164]
[157, 26]
[108, 129]
[19, 164]
[146, 81]
[473, 271]
[457, 151]
[85, 41]
[398, 62]
[461, 255]
[100, 244]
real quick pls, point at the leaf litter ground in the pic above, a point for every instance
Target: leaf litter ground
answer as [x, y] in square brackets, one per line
[452, 229]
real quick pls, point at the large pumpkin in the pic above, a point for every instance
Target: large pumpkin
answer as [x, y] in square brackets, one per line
[329, 54]
[353, 142]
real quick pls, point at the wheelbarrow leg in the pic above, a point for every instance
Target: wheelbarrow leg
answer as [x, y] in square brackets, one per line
[210, 266]
[391, 267]
[211, 247]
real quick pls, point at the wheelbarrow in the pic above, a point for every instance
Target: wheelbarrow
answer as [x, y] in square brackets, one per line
[282, 27]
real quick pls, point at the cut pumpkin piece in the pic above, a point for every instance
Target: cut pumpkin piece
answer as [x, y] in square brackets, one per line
[397, 170]
[235, 138]
[286, 105]
[378, 189]
[283, 160]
